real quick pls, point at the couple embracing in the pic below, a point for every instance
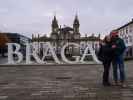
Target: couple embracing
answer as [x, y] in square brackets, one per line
[111, 52]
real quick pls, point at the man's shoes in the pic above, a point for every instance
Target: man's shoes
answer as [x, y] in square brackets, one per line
[122, 84]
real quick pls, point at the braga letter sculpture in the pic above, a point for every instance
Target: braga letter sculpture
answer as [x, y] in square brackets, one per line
[15, 56]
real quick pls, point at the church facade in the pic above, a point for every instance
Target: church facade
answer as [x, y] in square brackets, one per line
[59, 36]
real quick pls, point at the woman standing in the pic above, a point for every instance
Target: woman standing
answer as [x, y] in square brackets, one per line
[105, 55]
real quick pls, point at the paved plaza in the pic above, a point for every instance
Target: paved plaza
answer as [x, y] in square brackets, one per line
[61, 82]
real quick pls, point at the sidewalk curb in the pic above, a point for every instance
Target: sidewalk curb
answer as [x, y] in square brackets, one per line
[30, 65]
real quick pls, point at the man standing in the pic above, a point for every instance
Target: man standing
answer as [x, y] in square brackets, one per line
[118, 62]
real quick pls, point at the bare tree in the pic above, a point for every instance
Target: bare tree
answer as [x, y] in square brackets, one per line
[3, 41]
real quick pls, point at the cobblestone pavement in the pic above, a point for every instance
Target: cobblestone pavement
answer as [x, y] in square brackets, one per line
[77, 82]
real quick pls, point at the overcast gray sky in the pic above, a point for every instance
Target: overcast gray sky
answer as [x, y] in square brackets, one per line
[35, 16]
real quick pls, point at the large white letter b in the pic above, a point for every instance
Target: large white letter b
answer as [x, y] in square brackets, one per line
[11, 53]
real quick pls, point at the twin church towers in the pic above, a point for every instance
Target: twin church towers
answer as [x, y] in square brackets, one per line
[62, 35]
[55, 26]
[65, 32]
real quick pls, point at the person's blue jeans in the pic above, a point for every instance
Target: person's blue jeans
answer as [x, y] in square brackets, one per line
[118, 64]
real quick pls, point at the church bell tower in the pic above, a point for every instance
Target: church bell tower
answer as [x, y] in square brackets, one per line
[54, 25]
[76, 24]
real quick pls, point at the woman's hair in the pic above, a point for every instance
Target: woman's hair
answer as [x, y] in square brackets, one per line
[106, 39]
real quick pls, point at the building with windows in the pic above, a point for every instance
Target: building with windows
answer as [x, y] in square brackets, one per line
[126, 33]
[89, 40]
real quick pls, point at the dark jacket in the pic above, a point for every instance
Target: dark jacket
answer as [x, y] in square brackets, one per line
[105, 53]
[120, 46]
